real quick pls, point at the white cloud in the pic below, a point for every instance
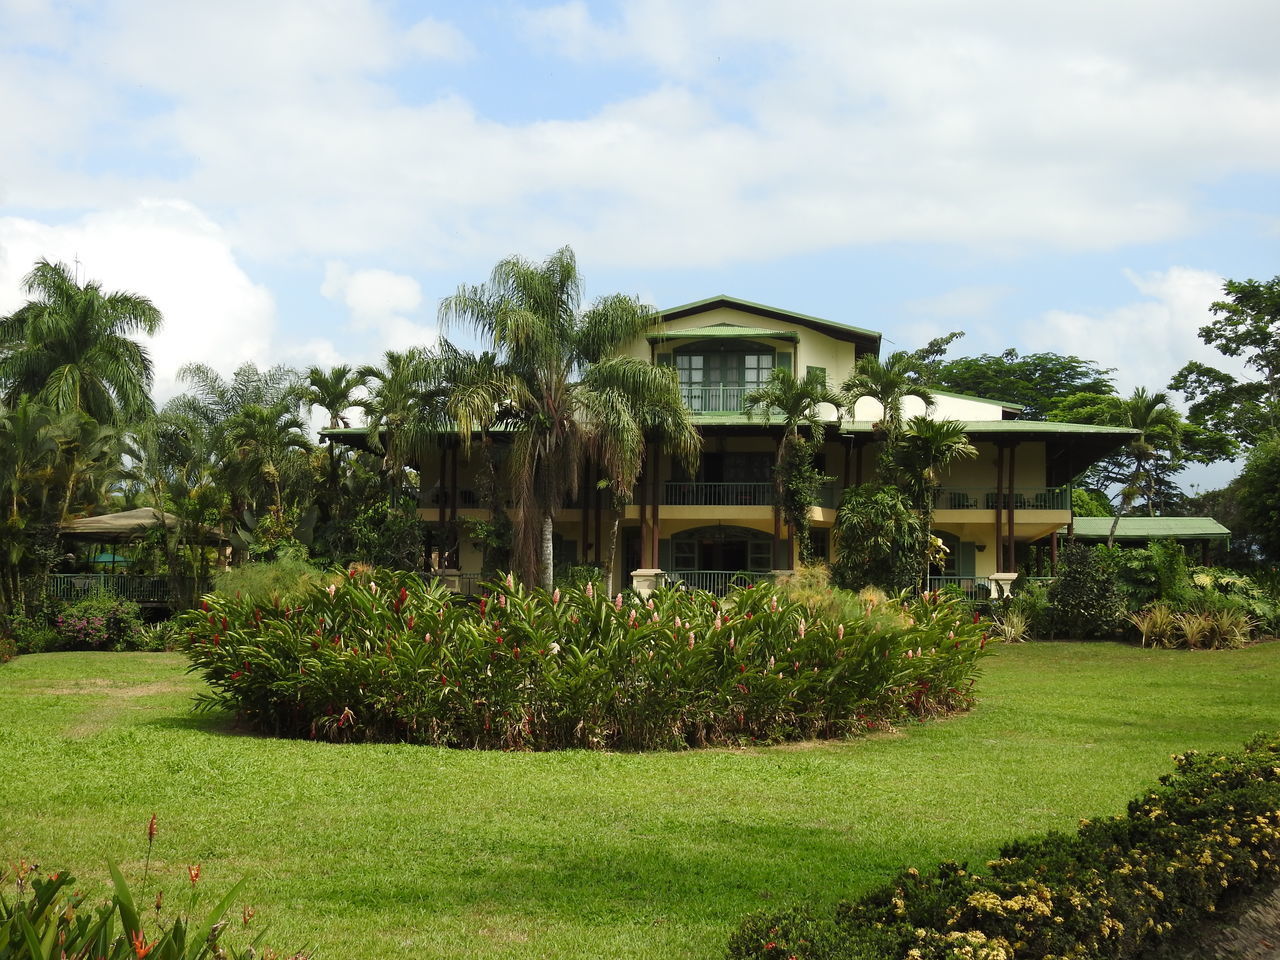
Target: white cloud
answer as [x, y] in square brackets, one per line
[998, 125]
[166, 250]
[1148, 340]
[961, 302]
[379, 301]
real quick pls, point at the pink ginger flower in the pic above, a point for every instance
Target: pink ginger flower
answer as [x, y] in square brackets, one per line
[617, 603]
[801, 631]
[591, 593]
[650, 604]
[511, 582]
[555, 596]
[840, 631]
[773, 604]
[690, 639]
[333, 588]
[719, 622]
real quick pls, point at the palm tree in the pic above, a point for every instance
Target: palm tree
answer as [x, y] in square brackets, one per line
[889, 383]
[795, 480]
[562, 390]
[335, 391]
[236, 417]
[28, 458]
[71, 346]
[926, 450]
[1159, 429]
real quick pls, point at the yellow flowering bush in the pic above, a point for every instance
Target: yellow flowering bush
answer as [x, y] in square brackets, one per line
[1118, 888]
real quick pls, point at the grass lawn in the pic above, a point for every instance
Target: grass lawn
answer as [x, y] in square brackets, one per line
[390, 851]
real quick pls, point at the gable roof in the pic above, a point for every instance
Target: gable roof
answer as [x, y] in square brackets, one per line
[868, 340]
[1151, 528]
[730, 330]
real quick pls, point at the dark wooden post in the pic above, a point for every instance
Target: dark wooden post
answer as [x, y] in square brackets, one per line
[999, 508]
[1013, 554]
[644, 517]
[1053, 554]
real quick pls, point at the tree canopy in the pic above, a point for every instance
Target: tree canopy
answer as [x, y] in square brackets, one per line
[1246, 411]
[1039, 382]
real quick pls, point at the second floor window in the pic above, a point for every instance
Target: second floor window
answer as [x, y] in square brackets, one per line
[718, 379]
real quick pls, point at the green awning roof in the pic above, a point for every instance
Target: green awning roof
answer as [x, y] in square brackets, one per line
[1152, 528]
[723, 330]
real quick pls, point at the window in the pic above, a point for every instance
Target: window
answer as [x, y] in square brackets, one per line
[717, 375]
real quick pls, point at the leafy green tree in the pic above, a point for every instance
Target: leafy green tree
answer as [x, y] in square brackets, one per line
[28, 458]
[1259, 495]
[1248, 326]
[562, 390]
[889, 382]
[71, 346]
[796, 478]
[878, 535]
[1039, 382]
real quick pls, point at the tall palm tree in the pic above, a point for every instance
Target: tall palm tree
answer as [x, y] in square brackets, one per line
[1159, 429]
[71, 345]
[28, 457]
[268, 447]
[889, 382]
[796, 401]
[563, 390]
[926, 450]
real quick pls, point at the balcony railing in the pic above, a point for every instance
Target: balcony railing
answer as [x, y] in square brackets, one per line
[1020, 498]
[690, 494]
[714, 397]
[718, 582]
[719, 494]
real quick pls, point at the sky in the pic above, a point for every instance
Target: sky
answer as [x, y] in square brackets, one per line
[302, 181]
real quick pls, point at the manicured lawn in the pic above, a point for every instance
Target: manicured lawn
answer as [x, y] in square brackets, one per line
[390, 851]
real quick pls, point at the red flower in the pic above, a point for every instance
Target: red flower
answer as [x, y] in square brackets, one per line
[140, 946]
[194, 873]
[151, 829]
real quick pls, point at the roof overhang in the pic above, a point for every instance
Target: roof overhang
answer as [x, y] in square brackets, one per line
[723, 331]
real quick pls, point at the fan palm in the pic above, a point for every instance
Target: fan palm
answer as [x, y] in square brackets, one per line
[795, 479]
[71, 345]
[562, 391]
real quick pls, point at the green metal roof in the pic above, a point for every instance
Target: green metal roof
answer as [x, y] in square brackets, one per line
[1151, 528]
[723, 330]
[842, 331]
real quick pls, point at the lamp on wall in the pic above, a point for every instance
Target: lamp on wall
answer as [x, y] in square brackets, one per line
[980, 547]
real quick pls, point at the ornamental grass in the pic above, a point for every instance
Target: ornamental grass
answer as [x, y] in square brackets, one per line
[381, 655]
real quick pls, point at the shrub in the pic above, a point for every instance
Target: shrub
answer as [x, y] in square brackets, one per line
[100, 621]
[1084, 601]
[1157, 624]
[8, 648]
[1118, 888]
[286, 580]
[381, 656]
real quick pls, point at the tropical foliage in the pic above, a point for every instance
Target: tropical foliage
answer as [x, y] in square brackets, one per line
[378, 655]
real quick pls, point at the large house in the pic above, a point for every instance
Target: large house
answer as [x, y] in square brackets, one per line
[992, 511]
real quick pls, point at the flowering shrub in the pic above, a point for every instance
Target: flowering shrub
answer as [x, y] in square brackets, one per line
[1119, 888]
[100, 621]
[381, 656]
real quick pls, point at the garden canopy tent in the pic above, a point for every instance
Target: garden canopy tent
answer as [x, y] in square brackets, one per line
[126, 526]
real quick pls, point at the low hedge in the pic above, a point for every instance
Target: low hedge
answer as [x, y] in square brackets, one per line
[1131, 886]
